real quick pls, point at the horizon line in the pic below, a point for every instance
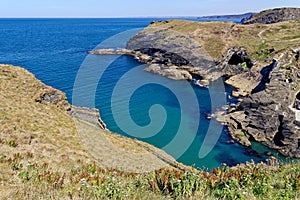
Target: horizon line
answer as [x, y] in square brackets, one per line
[149, 16]
[107, 17]
[102, 17]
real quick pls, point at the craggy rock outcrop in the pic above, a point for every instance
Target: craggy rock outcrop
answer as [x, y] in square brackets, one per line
[171, 48]
[235, 61]
[159, 62]
[180, 49]
[176, 67]
[274, 16]
[53, 96]
[269, 114]
[256, 59]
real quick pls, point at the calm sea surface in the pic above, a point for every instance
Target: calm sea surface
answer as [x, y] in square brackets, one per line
[54, 50]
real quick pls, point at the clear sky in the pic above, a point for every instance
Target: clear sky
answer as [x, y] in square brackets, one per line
[134, 8]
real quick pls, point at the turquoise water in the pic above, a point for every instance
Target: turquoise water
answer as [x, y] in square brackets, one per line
[54, 50]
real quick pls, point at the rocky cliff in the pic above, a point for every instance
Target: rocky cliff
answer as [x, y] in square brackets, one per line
[210, 50]
[170, 48]
[269, 113]
[260, 60]
[274, 16]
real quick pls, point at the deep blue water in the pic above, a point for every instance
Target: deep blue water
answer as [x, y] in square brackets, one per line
[236, 20]
[55, 51]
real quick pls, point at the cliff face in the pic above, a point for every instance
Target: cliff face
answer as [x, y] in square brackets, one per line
[212, 49]
[274, 16]
[178, 45]
[168, 47]
[261, 62]
[268, 115]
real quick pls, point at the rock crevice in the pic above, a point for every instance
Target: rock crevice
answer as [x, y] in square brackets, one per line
[267, 114]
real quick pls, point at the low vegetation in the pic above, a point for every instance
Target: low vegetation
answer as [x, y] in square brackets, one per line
[260, 40]
[89, 181]
[43, 156]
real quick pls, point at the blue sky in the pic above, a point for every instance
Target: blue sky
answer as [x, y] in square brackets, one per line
[134, 8]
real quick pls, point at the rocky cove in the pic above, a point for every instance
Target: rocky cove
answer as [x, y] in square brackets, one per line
[260, 61]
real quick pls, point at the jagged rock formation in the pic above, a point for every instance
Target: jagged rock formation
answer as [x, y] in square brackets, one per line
[160, 62]
[267, 115]
[177, 48]
[260, 61]
[170, 48]
[274, 16]
[53, 96]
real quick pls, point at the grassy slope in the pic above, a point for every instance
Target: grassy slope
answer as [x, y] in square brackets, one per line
[217, 37]
[117, 152]
[42, 138]
[42, 157]
[27, 126]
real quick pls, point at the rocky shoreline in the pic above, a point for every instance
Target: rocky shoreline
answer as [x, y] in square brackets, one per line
[265, 73]
[158, 62]
[268, 114]
[255, 111]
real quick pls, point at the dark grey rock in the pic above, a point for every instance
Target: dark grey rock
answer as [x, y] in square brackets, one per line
[274, 16]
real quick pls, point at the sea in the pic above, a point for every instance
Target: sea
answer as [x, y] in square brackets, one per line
[171, 115]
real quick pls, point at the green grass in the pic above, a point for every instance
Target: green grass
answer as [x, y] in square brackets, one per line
[217, 37]
[42, 155]
[89, 181]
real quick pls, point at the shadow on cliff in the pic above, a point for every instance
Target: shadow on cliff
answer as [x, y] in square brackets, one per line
[265, 72]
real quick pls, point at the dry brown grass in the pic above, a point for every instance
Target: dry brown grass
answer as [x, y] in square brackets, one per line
[38, 134]
[117, 152]
[45, 154]
[50, 134]
[42, 129]
[217, 37]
